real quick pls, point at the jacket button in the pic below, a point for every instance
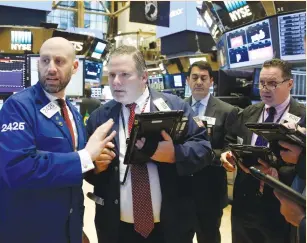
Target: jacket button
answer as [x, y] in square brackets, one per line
[116, 168]
[116, 201]
[71, 210]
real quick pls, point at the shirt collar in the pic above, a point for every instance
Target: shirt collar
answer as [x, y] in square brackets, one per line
[51, 97]
[281, 107]
[204, 101]
[140, 102]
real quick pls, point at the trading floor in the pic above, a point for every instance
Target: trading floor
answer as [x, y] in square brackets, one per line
[89, 226]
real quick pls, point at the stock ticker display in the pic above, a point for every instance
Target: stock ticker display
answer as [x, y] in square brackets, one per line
[292, 29]
[250, 45]
[12, 73]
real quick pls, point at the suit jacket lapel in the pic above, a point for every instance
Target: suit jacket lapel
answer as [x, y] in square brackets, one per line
[114, 113]
[57, 119]
[210, 110]
[295, 108]
[254, 117]
[79, 124]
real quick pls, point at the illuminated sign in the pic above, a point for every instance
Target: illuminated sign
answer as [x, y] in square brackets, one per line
[237, 10]
[77, 45]
[176, 12]
[21, 40]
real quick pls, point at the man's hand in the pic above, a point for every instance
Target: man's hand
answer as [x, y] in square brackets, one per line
[99, 139]
[85, 238]
[165, 151]
[292, 212]
[292, 154]
[105, 158]
[228, 161]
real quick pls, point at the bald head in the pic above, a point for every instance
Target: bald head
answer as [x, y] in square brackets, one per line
[59, 45]
[57, 63]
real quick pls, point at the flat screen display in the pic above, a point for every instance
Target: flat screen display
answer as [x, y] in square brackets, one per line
[93, 71]
[76, 84]
[98, 50]
[250, 45]
[292, 29]
[221, 47]
[12, 73]
[177, 81]
[96, 92]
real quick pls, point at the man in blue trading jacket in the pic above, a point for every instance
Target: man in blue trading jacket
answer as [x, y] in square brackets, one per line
[153, 204]
[41, 169]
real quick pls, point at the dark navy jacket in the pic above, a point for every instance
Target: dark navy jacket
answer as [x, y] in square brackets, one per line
[177, 209]
[41, 198]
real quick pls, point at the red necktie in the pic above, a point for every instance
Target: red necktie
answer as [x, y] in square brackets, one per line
[64, 111]
[142, 204]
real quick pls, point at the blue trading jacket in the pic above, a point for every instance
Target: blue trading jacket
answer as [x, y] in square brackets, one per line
[41, 198]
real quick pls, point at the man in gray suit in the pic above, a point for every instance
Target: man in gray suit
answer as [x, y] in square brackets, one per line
[210, 184]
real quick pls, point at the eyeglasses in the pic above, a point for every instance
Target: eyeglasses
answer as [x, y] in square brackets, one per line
[271, 85]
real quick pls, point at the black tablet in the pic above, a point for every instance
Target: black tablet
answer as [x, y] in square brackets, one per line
[279, 186]
[249, 154]
[274, 132]
[149, 125]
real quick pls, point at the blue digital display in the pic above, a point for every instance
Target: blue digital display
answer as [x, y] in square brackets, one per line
[233, 5]
[183, 16]
[93, 71]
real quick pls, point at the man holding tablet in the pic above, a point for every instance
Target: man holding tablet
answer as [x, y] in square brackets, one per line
[148, 202]
[255, 210]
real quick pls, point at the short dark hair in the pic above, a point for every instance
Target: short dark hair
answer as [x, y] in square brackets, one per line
[136, 54]
[284, 66]
[202, 65]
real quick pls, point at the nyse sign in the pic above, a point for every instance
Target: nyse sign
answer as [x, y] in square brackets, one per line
[21, 40]
[240, 13]
[77, 45]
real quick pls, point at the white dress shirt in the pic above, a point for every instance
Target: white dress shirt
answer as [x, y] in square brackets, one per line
[126, 204]
[203, 106]
[85, 158]
[281, 112]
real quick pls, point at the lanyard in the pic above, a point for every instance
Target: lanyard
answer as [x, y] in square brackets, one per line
[277, 121]
[124, 127]
[122, 116]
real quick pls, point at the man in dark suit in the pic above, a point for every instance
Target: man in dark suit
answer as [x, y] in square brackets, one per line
[210, 184]
[167, 211]
[255, 211]
[88, 104]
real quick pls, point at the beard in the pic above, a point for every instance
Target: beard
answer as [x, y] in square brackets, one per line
[54, 88]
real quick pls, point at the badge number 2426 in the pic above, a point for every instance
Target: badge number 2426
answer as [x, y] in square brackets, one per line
[15, 126]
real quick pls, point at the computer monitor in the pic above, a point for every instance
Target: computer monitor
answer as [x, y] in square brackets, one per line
[96, 92]
[292, 30]
[12, 73]
[99, 50]
[178, 81]
[76, 85]
[299, 84]
[93, 71]
[250, 45]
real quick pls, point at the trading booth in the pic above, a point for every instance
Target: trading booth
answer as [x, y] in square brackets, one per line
[19, 54]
